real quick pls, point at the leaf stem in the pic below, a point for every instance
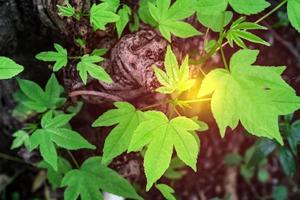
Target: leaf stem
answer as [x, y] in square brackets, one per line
[74, 57]
[153, 106]
[73, 159]
[217, 48]
[271, 12]
[94, 93]
[196, 100]
[176, 111]
[224, 58]
[11, 158]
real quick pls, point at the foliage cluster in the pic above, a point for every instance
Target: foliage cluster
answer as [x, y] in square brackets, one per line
[241, 92]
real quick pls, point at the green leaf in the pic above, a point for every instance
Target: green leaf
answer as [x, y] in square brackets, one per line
[99, 52]
[262, 149]
[248, 7]
[160, 135]
[53, 90]
[36, 97]
[102, 14]
[55, 177]
[8, 68]
[60, 120]
[211, 6]
[135, 25]
[166, 191]
[33, 96]
[263, 175]
[169, 18]
[293, 10]
[52, 134]
[239, 30]
[144, 12]
[92, 176]
[215, 21]
[175, 171]
[213, 14]
[112, 4]
[253, 95]
[124, 14]
[209, 45]
[247, 172]
[280, 193]
[21, 138]
[175, 78]
[60, 57]
[287, 161]
[233, 159]
[80, 42]
[126, 118]
[66, 11]
[87, 66]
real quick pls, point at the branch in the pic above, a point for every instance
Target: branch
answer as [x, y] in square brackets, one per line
[94, 93]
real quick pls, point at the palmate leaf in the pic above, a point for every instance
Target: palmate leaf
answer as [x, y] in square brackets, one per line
[213, 14]
[60, 57]
[144, 13]
[112, 4]
[92, 176]
[102, 14]
[293, 10]
[175, 78]
[160, 134]
[169, 18]
[124, 14]
[253, 95]
[166, 191]
[35, 98]
[126, 118]
[21, 138]
[87, 66]
[248, 7]
[52, 134]
[66, 11]
[8, 68]
[239, 31]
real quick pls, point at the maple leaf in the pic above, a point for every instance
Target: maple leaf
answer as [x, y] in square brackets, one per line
[169, 18]
[52, 133]
[92, 176]
[102, 14]
[39, 100]
[60, 57]
[253, 95]
[21, 138]
[87, 66]
[160, 135]
[126, 118]
[175, 78]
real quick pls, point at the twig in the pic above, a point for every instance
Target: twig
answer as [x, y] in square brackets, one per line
[153, 106]
[94, 93]
[11, 158]
[271, 12]
[73, 159]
